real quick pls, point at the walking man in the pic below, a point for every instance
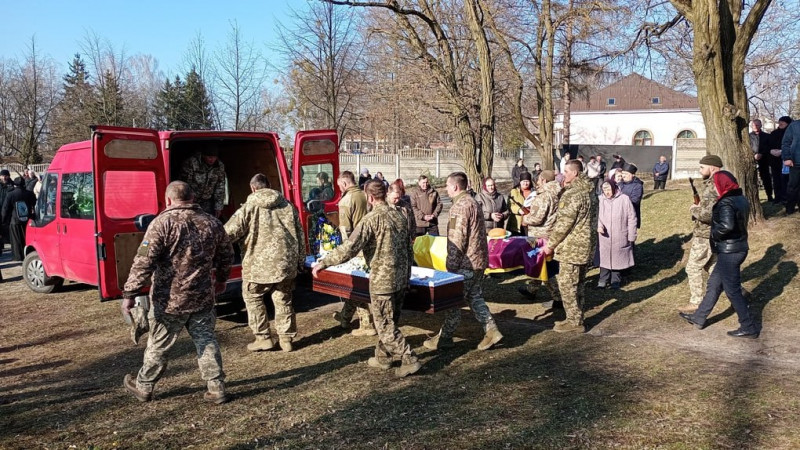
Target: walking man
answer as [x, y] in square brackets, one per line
[383, 237]
[468, 255]
[573, 239]
[701, 258]
[273, 251]
[179, 250]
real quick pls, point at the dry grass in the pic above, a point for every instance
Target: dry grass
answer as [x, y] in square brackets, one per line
[641, 378]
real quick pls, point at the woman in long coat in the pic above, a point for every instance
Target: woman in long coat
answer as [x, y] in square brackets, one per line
[616, 229]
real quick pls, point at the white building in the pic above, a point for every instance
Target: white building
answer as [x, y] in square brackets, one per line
[633, 111]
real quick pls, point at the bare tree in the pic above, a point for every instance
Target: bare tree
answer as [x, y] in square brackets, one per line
[239, 74]
[29, 94]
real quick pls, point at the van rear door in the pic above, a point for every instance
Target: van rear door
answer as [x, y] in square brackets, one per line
[315, 157]
[130, 180]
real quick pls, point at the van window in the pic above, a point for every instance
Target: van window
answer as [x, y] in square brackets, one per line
[319, 147]
[317, 185]
[46, 203]
[127, 194]
[77, 196]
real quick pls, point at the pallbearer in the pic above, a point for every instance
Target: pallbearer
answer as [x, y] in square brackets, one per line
[383, 237]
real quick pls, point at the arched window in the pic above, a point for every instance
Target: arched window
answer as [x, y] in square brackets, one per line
[642, 137]
[687, 134]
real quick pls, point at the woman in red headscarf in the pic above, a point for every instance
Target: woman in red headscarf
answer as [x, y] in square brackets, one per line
[729, 242]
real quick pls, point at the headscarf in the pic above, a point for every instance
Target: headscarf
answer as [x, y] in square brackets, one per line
[614, 186]
[725, 182]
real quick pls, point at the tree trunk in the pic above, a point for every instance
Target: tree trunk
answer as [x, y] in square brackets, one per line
[718, 66]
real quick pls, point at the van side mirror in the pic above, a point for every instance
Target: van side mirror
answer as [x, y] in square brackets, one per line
[142, 221]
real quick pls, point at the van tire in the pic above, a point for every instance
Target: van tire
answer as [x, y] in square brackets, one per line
[35, 276]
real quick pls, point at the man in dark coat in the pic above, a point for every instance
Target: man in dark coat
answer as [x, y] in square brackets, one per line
[760, 143]
[516, 171]
[12, 219]
[633, 187]
[6, 186]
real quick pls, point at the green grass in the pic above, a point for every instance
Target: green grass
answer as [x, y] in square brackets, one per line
[640, 378]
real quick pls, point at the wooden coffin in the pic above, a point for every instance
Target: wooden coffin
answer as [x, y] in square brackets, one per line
[429, 290]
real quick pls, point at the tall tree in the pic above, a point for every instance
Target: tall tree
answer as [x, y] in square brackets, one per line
[169, 105]
[72, 118]
[197, 110]
[324, 50]
[109, 105]
[239, 75]
[30, 94]
[722, 32]
[460, 59]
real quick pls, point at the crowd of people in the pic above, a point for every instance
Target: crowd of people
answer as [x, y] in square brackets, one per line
[17, 202]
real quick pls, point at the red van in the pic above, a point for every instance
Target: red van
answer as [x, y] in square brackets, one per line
[94, 191]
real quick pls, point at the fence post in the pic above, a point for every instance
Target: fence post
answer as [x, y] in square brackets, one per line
[397, 165]
[438, 163]
[358, 165]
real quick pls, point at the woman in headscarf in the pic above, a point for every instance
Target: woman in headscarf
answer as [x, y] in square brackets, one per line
[729, 242]
[616, 229]
[519, 200]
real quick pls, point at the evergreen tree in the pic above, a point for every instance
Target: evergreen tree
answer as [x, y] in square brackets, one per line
[109, 104]
[73, 115]
[170, 105]
[197, 104]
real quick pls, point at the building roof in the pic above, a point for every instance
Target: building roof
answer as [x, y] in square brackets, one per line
[634, 93]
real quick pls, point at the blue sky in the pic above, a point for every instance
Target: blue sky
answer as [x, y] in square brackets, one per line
[162, 29]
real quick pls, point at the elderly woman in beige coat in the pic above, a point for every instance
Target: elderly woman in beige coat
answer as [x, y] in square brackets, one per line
[616, 229]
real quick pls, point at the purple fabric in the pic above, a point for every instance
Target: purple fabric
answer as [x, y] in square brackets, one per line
[518, 252]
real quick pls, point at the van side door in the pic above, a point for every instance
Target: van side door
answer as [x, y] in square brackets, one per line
[129, 180]
[315, 168]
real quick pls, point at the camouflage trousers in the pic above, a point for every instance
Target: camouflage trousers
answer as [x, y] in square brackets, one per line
[473, 294]
[700, 265]
[164, 331]
[571, 280]
[350, 307]
[385, 310]
[281, 294]
[551, 284]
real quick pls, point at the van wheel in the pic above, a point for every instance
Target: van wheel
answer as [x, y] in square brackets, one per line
[35, 276]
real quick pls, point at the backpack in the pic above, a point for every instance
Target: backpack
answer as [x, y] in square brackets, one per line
[21, 208]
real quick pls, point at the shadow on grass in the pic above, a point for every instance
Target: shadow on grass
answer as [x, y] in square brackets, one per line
[33, 368]
[543, 398]
[763, 265]
[72, 334]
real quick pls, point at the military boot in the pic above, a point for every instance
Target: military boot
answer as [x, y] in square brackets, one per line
[261, 344]
[565, 326]
[380, 363]
[438, 342]
[216, 393]
[337, 316]
[410, 366]
[286, 344]
[491, 337]
[130, 385]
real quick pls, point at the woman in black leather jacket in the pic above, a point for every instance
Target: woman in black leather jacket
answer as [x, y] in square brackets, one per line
[729, 242]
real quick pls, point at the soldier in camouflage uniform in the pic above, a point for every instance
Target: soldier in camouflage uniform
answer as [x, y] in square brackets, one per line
[468, 255]
[701, 259]
[573, 238]
[383, 237]
[541, 218]
[352, 208]
[178, 252]
[205, 174]
[273, 251]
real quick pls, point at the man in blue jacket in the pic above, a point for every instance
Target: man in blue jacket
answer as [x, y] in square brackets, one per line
[633, 187]
[660, 173]
[790, 154]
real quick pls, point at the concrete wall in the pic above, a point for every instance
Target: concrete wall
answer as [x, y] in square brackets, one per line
[618, 128]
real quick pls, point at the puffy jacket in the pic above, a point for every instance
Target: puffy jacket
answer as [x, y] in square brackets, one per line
[729, 223]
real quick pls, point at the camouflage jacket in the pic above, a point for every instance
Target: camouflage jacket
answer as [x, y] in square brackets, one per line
[383, 237]
[405, 208]
[352, 208]
[543, 210]
[207, 182]
[574, 233]
[274, 246]
[180, 248]
[467, 248]
[701, 213]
